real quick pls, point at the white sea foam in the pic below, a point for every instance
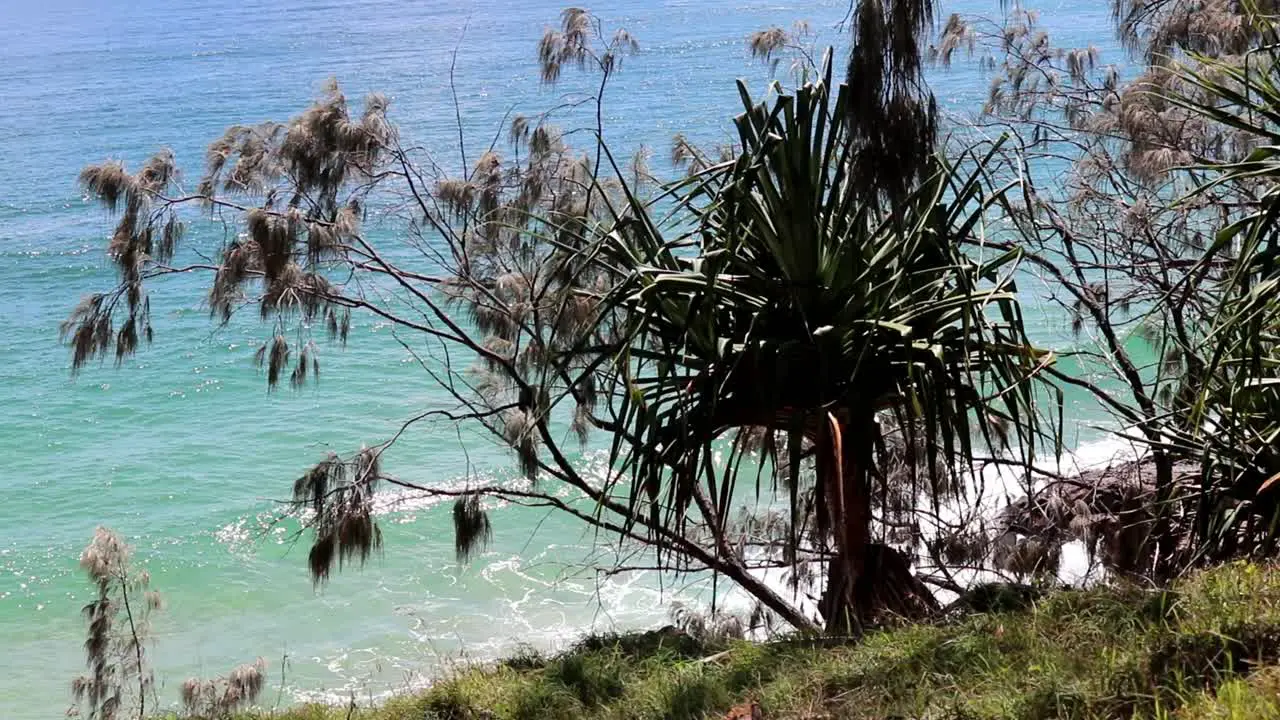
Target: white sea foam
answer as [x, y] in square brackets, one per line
[999, 486]
[995, 488]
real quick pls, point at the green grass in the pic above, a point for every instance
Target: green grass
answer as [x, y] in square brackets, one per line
[1210, 648]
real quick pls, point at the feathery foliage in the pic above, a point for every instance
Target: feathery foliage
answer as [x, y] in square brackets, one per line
[892, 116]
[120, 681]
[471, 527]
[339, 496]
[221, 697]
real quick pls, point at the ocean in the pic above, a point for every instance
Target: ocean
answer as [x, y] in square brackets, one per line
[184, 452]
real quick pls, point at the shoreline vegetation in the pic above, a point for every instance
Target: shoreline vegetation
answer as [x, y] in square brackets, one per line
[797, 353]
[1207, 648]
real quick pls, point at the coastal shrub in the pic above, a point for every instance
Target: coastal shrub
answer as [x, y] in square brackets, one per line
[693, 693]
[594, 678]
[664, 641]
[1207, 658]
[220, 697]
[537, 700]
[524, 657]
[119, 681]
[449, 702]
[568, 303]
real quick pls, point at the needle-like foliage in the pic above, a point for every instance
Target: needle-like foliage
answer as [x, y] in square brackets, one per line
[119, 683]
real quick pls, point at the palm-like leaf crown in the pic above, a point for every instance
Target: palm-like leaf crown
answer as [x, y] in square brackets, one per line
[1229, 405]
[800, 303]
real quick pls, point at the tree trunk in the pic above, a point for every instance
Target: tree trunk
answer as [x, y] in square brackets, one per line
[886, 589]
[865, 580]
[1164, 565]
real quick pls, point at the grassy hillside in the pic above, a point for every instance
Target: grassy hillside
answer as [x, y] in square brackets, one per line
[1208, 649]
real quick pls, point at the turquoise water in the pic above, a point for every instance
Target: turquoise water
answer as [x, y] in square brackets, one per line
[182, 450]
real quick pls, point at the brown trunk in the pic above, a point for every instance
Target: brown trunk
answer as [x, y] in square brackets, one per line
[1165, 565]
[865, 581]
[886, 590]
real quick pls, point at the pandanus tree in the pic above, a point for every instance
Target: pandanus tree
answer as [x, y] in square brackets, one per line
[1229, 406]
[829, 316]
[776, 293]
